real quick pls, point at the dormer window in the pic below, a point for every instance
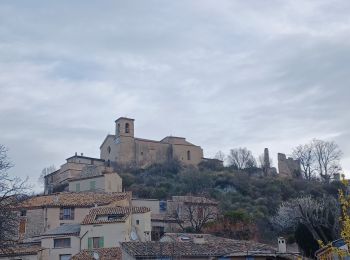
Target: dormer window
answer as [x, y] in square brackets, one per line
[110, 217]
[127, 128]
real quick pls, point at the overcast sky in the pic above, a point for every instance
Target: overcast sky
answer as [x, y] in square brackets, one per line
[221, 73]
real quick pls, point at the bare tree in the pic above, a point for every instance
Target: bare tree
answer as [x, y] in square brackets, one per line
[241, 158]
[305, 154]
[44, 172]
[265, 163]
[12, 192]
[194, 213]
[327, 156]
[220, 156]
[320, 216]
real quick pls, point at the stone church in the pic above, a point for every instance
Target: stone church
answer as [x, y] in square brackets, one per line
[124, 148]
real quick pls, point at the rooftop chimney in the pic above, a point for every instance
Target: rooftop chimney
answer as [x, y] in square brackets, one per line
[81, 154]
[198, 239]
[282, 247]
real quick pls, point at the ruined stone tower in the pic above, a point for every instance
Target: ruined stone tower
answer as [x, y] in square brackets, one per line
[288, 167]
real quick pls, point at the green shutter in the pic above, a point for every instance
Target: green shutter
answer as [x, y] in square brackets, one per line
[77, 187]
[92, 185]
[101, 242]
[90, 243]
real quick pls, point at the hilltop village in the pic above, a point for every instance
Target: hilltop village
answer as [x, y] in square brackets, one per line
[86, 212]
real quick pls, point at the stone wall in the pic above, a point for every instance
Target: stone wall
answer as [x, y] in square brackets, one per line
[34, 222]
[288, 167]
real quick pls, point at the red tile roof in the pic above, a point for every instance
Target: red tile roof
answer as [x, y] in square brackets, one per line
[123, 212]
[20, 249]
[208, 246]
[112, 253]
[74, 199]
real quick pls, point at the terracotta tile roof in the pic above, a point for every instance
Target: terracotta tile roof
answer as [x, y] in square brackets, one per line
[215, 247]
[21, 249]
[100, 215]
[162, 218]
[112, 253]
[194, 200]
[74, 199]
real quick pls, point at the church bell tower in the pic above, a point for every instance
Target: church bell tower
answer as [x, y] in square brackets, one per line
[124, 127]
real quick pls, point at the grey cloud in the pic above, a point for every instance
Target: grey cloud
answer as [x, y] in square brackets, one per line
[222, 73]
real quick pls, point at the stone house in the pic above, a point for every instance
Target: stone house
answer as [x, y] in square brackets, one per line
[39, 214]
[61, 243]
[106, 181]
[166, 215]
[107, 226]
[124, 148]
[71, 169]
[184, 209]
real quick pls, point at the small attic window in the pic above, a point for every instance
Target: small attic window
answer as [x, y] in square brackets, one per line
[109, 149]
[127, 128]
[110, 217]
[184, 238]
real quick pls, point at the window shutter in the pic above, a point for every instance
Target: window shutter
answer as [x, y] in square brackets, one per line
[101, 242]
[61, 213]
[90, 243]
[72, 213]
[22, 226]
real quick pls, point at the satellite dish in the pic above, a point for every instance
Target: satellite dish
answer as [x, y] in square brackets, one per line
[133, 236]
[95, 255]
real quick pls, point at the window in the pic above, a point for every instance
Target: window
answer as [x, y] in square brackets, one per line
[115, 216]
[127, 128]
[61, 242]
[188, 155]
[95, 242]
[92, 185]
[162, 206]
[109, 149]
[157, 233]
[66, 213]
[137, 222]
[77, 187]
[23, 213]
[118, 129]
[22, 226]
[65, 257]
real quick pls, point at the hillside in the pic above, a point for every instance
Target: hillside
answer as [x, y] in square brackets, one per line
[248, 199]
